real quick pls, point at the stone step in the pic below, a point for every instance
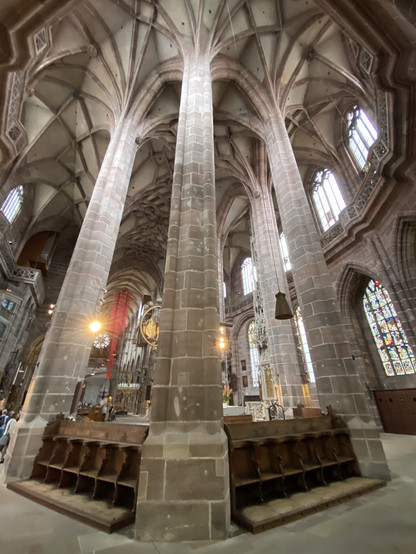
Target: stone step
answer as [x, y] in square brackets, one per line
[100, 514]
[273, 513]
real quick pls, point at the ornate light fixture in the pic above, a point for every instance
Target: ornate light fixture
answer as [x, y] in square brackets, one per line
[102, 340]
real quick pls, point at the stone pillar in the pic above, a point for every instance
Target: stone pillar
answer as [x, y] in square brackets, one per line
[65, 352]
[221, 300]
[282, 347]
[337, 378]
[183, 487]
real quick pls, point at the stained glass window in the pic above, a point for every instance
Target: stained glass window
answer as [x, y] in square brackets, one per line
[361, 135]
[304, 348]
[392, 344]
[11, 206]
[254, 353]
[285, 252]
[248, 273]
[327, 198]
[8, 304]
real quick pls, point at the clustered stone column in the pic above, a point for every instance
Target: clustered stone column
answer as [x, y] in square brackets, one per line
[284, 360]
[337, 379]
[65, 352]
[183, 486]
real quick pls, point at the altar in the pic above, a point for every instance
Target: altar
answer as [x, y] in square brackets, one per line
[233, 410]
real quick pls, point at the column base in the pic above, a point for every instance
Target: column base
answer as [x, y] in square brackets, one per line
[365, 440]
[24, 446]
[184, 484]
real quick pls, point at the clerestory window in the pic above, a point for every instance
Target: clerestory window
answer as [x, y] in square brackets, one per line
[390, 338]
[13, 203]
[361, 135]
[249, 276]
[254, 353]
[304, 347]
[8, 304]
[285, 252]
[327, 198]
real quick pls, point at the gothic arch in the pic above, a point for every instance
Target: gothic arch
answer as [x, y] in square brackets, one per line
[404, 244]
[348, 284]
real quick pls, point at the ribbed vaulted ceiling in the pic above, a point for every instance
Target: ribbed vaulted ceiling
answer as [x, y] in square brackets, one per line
[102, 57]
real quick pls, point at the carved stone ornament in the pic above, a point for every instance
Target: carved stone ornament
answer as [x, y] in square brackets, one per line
[372, 172]
[259, 318]
[365, 61]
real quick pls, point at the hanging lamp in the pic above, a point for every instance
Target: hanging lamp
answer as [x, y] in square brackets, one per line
[282, 310]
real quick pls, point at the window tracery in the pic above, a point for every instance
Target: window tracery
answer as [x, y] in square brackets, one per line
[361, 135]
[11, 206]
[248, 275]
[390, 338]
[304, 347]
[254, 353]
[327, 198]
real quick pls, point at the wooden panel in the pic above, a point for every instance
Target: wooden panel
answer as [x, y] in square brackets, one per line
[99, 461]
[397, 410]
[271, 460]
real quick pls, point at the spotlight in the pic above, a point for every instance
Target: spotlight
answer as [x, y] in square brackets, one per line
[95, 326]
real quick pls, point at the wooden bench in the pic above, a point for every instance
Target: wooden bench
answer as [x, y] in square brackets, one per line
[301, 411]
[273, 459]
[101, 460]
[242, 418]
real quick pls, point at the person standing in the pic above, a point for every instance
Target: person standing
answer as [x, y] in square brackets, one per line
[5, 439]
[4, 418]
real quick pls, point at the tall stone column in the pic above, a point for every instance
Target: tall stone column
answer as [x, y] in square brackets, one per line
[183, 487]
[282, 347]
[221, 299]
[337, 378]
[65, 352]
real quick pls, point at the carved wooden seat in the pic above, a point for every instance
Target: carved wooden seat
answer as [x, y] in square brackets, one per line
[101, 460]
[270, 460]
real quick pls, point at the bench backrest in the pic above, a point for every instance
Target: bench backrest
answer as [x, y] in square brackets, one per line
[274, 428]
[117, 432]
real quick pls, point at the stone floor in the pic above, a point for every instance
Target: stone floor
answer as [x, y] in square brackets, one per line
[382, 522]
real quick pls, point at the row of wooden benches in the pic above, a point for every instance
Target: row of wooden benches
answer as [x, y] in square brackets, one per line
[265, 465]
[105, 469]
[267, 459]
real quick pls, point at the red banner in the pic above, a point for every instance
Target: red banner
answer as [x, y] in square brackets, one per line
[118, 322]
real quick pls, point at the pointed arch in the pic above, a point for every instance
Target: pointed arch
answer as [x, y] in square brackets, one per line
[404, 244]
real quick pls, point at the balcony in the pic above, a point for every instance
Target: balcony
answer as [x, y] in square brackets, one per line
[33, 278]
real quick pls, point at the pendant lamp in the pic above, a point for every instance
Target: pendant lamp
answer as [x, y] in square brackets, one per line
[282, 310]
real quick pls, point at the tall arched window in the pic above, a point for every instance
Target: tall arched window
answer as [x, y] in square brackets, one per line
[285, 252]
[248, 274]
[327, 198]
[304, 347]
[254, 353]
[392, 344]
[11, 206]
[361, 135]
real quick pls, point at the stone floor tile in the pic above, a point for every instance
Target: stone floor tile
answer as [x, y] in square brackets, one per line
[132, 547]
[382, 522]
[99, 539]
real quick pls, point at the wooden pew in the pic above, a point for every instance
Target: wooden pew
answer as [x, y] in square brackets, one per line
[98, 459]
[273, 459]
